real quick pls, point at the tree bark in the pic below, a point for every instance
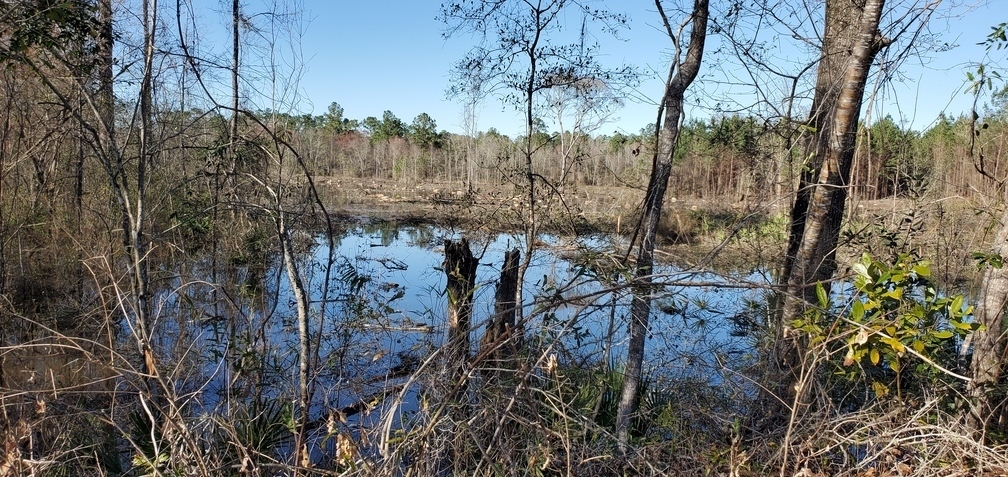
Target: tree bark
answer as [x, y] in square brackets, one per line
[814, 259]
[235, 56]
[681, 75]
[105, 96]
[301, 455]
[816, 230]
[498, 343]
[987, 409]
[136, 220]
[530, 225]
[838, 40]
[460, 268]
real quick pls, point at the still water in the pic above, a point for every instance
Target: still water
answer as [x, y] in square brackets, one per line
[385, 314]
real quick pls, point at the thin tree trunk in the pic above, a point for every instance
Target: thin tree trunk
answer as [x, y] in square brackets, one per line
[301, 455]
[531, 230]
[666, 139]
[106, 96]
[137, 246]
[5, 136]
[235, 51]
[232, 152]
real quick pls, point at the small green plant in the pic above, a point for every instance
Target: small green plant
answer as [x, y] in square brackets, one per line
[895, 315]
[984, 260]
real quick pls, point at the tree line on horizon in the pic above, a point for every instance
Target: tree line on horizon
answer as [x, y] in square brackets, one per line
[727, 157]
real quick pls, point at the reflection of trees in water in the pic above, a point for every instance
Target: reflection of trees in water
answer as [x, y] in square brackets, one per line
[228, 345]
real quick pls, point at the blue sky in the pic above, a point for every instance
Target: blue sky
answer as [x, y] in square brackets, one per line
[372, 56]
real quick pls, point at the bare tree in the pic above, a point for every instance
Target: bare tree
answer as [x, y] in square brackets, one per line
[137, 245]
[851, 42]
[853, 38]
[987, 407]
[579, 109]
[128, 171]
[287, 182]
[682, 71]
[235, 58]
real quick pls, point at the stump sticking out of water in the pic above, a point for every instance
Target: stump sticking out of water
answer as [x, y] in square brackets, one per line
[460, 268]
[500, 339]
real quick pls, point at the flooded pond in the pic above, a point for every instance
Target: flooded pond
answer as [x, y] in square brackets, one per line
[387, 306]
[225, 331]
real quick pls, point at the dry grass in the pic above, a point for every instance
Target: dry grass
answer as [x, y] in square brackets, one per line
[530, 416]
[886, 440]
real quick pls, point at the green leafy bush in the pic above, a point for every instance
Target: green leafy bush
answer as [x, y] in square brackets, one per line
[895, 319]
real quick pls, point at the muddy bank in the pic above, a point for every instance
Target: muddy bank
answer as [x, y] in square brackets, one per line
[701, 232]
[723, 234]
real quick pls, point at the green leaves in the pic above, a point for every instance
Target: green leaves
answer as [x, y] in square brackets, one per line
[822, 296]
[984, 260]
[977, 81]
[61, 27]
[997, 38]
[940, 335]
[423, 131]
[895, 315]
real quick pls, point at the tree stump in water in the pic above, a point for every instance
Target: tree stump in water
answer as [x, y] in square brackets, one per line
[460, 268]
[499, 340]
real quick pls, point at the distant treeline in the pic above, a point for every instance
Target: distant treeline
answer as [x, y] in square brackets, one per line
[729, 156]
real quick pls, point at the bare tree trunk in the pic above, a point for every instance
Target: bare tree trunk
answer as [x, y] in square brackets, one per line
[987, 409]
[235, 58]
[106, 96]
[137, 242]
[666, 139]
[231, 158]
[301, 455]
[531, 229]
[6, 133]
[814, 259]
[838, 40]
[235, 52]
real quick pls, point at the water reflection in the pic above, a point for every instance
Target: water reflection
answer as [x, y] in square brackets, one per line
[389, 307]
[225, 329]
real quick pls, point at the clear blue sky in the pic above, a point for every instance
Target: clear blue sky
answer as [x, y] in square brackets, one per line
[372, 56]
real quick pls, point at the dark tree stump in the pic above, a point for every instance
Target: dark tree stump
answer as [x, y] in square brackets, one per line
[460, 268]
[498, 341]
